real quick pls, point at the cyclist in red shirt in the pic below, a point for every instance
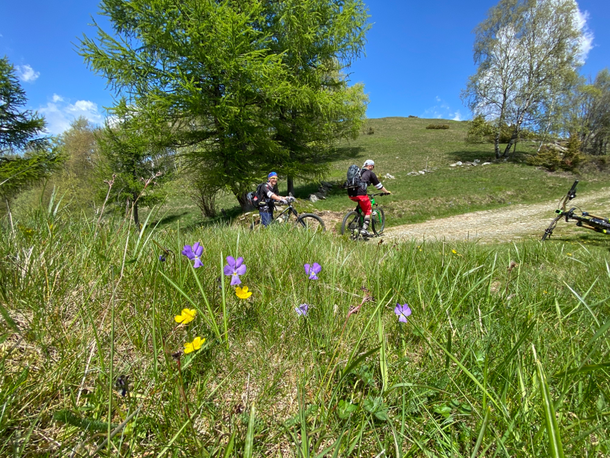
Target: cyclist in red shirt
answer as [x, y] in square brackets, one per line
[360, 195]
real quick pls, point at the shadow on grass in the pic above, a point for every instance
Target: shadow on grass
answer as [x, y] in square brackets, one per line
[225, 216]
[166, 220]
[588, 237]
[347, 152]
[486, 154]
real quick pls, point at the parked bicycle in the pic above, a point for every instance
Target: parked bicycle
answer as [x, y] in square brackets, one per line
[353, 221]
[585, 219]
[307, 221]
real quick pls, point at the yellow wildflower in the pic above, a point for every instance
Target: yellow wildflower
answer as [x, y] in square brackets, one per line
[243, 293]
[186, 316]
[196, 344]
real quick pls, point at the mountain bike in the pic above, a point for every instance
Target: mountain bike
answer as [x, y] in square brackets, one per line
[353, 221]
[585, 219]
[289, 214]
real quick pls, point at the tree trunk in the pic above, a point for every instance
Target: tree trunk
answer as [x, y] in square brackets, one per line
[243, 203]
[511, 143]
[497, 144]
[290, 183]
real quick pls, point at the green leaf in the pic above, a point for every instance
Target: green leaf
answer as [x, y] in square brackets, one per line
[345, 409]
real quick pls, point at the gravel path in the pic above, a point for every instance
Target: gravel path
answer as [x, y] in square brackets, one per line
[517, 222]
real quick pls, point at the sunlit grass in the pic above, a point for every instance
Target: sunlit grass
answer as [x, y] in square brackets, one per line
[505, 352]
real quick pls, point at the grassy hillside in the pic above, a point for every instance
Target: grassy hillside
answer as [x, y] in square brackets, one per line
[400, 146]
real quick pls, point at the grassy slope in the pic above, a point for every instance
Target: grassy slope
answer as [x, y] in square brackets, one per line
[403, 145]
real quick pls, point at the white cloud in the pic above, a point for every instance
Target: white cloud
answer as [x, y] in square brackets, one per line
[59, 114]
[586, 41]
[26, 73]
[442, 110]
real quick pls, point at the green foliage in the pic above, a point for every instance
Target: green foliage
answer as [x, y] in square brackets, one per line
[591, 114]
[20, 172]
[25, 157]
[554, 157]
[79, 178]
[137, 161]
[437, 126]
[480, 131]
[237, 87]
[17, 128]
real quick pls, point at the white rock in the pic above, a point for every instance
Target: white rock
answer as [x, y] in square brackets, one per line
[313, 198]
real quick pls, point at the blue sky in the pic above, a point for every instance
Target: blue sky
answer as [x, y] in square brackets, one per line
[418, 56]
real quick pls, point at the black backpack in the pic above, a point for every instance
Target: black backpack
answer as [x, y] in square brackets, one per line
[257, 198]
[353, 178]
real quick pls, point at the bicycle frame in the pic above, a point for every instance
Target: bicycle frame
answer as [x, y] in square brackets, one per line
[585, 220]
[284, 215]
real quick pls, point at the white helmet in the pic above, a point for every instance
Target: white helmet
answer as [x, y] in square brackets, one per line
[368, 162]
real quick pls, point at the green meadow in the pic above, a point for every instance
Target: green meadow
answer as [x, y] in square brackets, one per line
[505, 352]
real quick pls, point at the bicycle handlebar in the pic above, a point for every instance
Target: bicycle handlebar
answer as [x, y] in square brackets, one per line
[380, 194]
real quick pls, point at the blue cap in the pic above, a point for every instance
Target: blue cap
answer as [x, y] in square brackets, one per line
[272, 174]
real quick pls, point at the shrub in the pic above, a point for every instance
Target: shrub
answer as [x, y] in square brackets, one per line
[554, 157]
[437, 126]
[480, 131]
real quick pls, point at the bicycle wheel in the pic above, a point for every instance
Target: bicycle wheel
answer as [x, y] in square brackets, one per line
[378, 221]
[351, 224]
[311, 222]
[549, 230]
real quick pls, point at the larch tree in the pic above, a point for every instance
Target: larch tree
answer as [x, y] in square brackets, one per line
[228, 84]
[527, 53]
[26, 155]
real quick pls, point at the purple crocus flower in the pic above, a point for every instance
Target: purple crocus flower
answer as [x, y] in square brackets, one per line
[302, 309]
[403, 311]
[313, 270]
[235, 268]
[194, 253]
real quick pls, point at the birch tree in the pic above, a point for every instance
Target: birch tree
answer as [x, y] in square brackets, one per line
[527, 53]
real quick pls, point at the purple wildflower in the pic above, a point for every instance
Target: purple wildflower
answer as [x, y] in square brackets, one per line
[194, 253]
[403, 311]
[313, 270]
[235, 268]
[302, 309]
[162, 258]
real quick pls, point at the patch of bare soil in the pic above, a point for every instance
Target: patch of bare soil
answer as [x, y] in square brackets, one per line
[517, 222]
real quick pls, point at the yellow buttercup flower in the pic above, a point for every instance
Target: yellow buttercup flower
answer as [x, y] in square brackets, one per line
[186, 316]
[196, 344]
[243, 293]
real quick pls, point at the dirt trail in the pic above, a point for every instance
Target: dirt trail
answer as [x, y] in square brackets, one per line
[517, 222]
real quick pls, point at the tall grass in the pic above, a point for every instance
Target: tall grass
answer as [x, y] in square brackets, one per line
[505, 353]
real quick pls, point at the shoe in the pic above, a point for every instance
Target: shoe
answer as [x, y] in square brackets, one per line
[365, 233]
